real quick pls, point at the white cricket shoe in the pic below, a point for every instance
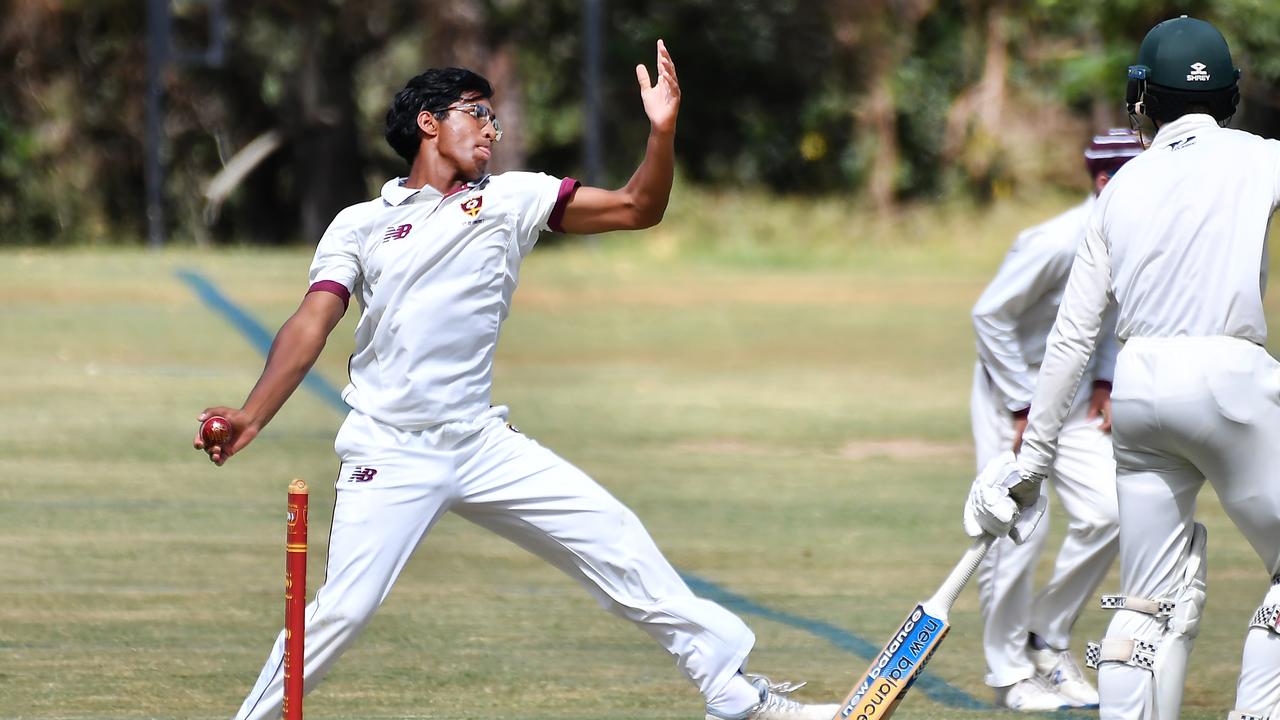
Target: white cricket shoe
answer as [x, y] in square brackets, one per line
[775, 705]
[1034, 694]
[1062, 672]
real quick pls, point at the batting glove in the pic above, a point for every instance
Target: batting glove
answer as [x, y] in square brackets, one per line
[1004, 500]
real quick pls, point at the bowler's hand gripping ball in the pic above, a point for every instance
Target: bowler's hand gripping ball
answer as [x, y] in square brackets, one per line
[215, 431]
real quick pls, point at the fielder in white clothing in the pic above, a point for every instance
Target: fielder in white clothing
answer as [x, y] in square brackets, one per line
[1026, 639]
[1178, 239]
[433, 263]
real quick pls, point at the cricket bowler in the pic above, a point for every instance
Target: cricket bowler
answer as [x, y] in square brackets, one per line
[433, 262]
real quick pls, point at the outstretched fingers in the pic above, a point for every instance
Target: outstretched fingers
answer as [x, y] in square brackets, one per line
[642, 77]
[667, 69]
[661, 96]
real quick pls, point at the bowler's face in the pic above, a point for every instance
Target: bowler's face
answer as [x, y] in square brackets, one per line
[465, 139]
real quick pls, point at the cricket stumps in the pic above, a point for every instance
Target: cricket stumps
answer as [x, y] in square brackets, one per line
[295, 598]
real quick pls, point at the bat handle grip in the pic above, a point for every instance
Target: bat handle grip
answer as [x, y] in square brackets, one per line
[960, 574]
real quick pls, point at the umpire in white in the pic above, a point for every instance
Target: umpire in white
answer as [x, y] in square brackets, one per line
[1179, 240]
[1025, 638]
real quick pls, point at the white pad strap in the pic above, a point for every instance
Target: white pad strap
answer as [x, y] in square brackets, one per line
[1147, 606]
[1130, 651]
[1156, 635]
[1267, 617]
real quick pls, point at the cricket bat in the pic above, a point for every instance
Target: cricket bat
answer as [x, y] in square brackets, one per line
[903, 658]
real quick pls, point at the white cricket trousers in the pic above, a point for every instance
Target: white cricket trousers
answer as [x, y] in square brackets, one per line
[1084, 478]
[1186, 410]
[395, 484]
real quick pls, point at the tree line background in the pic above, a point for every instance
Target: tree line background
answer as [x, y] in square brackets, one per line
[884, 102]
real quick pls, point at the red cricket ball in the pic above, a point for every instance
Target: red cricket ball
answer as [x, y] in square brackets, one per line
[215, 431]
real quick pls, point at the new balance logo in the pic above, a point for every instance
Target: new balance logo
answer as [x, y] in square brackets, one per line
[1198, 73]
[396, 232]
[362, 474]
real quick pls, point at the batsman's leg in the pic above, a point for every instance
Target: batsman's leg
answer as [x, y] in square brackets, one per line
[1142, 661]
[1258, 692]
[1160, 401]
[1240, 461]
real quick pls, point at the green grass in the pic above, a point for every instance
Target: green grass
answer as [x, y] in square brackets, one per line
[781, 395]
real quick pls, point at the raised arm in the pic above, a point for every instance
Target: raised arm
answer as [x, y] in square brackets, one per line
[642, 201]
[295, 349]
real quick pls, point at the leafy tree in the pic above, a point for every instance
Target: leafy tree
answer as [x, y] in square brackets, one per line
[887, 101]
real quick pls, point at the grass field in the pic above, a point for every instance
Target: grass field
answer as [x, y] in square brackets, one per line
[790, 421]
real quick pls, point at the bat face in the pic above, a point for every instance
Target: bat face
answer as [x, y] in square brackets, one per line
[897, 666]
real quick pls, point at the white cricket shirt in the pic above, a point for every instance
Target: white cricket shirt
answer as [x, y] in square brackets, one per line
[434, 274]
[1178, 238]
[1015, 313]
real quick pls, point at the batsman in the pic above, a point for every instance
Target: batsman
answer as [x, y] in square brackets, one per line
[433, 263]
[1178, 239]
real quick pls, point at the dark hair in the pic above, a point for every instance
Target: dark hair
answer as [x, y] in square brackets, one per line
[1167, 104]
[433, 90]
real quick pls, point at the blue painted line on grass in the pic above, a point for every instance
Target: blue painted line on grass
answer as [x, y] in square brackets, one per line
[936, 689]
[253, 331]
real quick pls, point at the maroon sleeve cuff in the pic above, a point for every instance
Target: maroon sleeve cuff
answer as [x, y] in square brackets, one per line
[331, 286]
[567, 187]
[1101, 384]
[1021, 414]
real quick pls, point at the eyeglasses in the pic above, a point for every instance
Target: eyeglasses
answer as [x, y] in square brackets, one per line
[483, 115]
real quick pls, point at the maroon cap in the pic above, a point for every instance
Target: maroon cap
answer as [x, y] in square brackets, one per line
[1108, 152]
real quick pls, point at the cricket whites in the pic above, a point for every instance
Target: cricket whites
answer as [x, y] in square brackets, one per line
[885, 683]
[295, 598]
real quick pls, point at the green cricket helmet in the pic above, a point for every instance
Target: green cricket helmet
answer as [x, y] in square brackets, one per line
[1183, 62]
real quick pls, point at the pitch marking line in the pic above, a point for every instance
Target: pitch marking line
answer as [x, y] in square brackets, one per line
[935, 688]
[253, 331]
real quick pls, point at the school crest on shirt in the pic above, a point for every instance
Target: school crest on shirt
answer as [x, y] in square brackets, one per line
[471, 206]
